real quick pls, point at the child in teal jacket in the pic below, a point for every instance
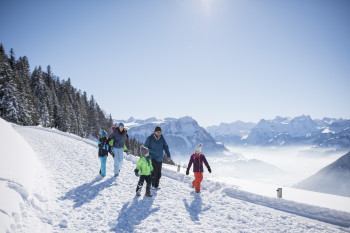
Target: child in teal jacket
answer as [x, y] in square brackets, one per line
[103, 149]
[144, 169]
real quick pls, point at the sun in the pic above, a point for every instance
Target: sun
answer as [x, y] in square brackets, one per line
[207, 6]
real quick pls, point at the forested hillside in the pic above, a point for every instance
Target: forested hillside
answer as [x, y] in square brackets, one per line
[41, 98]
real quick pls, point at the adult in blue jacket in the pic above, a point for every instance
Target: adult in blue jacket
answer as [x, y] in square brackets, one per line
[119, 135]
[156, 144]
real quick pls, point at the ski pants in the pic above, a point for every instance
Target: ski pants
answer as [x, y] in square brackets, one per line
[157, 168]
[103, 165]
[198, 177]
[118, 159]
[140, 183]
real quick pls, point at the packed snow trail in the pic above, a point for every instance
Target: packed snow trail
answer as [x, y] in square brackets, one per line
[81, 201]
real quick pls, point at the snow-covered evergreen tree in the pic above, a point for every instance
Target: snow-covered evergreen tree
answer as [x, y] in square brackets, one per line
[8, 89]
[41, 92]
[27, 112]
[93, 118]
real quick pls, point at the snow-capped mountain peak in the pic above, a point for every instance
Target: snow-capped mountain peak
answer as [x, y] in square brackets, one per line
[182, 134]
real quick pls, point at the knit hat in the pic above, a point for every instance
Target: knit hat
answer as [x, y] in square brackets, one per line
[103, 133]
[199, 148]
[121, 125]
[157, 129]
[144, 150]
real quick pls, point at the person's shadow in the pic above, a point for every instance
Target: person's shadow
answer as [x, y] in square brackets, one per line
[87, 192]
[134, 213]
[195, 208]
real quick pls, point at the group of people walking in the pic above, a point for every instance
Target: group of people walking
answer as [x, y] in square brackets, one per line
[149, 166]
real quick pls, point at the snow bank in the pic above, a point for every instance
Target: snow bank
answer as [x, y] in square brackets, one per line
[17, 157]
[19, 169]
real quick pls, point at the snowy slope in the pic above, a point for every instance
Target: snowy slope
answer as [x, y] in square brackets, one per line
[65, 194]
[333, 179]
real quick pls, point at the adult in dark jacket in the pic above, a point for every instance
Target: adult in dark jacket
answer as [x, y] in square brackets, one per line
[156, 144]
[118, 136]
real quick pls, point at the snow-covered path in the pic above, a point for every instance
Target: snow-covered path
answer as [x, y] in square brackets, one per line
[80, 201]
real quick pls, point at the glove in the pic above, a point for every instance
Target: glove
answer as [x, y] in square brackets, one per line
[209, 170]
[187, 172]
[152, 173]
[136, 172]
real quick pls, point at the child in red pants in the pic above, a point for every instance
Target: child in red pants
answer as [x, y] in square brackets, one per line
[197, 159]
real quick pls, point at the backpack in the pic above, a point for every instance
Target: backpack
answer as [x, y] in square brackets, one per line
[103, 148]
[111, 142]
[150, 140]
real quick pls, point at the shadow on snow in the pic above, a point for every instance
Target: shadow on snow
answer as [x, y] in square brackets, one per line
[134, 213]
[85, 193]
[195, 208]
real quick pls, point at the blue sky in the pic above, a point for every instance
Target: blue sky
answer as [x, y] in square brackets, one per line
[214, 60]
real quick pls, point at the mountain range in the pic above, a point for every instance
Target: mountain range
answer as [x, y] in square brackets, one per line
[282, 131]
[182, 135]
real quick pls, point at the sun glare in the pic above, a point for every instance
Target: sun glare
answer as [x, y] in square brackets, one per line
[207, 6]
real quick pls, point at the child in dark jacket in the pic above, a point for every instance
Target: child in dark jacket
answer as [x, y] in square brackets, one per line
[197, 159]
[144, 169]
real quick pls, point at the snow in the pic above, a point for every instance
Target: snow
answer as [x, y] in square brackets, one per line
[49, 182]
[326, 130]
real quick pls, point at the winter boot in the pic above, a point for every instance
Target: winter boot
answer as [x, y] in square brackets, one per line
[138, 193]
[197, 191]
[148, 195]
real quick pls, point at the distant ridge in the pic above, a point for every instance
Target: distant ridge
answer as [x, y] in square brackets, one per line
[332, 179]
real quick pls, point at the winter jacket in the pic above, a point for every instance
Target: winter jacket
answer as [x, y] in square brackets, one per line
[103, 147]
[144, 165]
[118, 138]
[197, 161]
[156, 147]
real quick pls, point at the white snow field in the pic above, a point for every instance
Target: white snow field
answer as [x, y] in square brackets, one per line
[49, 182]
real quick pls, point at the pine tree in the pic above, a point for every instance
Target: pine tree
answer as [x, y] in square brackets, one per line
[71, 107]
[65, 113]
[8, 89]
[109, 122]
[27, 113]
[84, 115]
[50, 96]
[12, 59]
[41, 92]
[54, 102]
[93, 118]
[101, 119]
